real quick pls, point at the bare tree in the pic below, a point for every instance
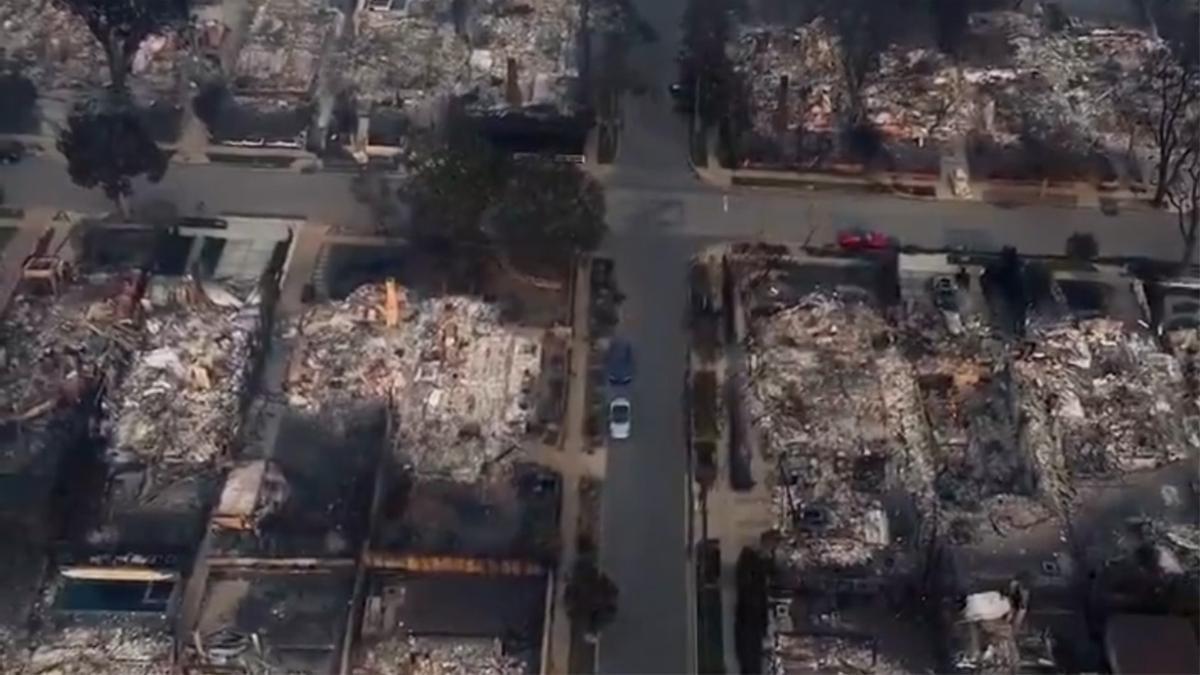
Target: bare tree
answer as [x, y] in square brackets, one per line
[1174, 107]
[1183, 189]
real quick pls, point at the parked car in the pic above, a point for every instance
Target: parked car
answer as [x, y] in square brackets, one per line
[618, 362]
[11, 152]
[620, 418]
[683, 96]
[864, 240]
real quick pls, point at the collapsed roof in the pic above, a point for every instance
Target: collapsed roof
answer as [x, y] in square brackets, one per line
[460, 383]
[985, 436]
[50, 341]
[452, 623]
[176, 413]
[55, 352]
[55, 46]
[105, 649]
[799, 654]
[1109, 397]
[499, 54]
[832, 410]
[180, 401]
[54, 49]
[285, 46]
[1019, 79]
[410, 655]
[1075, 79]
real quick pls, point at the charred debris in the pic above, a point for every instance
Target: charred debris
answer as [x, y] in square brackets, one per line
[1033, 87]
[191, 484]
[952, 488]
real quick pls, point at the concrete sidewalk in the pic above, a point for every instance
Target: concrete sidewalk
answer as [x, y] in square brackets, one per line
[573, 463]
[736, 520]
[1076, 194]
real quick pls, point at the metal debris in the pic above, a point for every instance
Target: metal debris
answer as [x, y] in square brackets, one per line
[462, 385]
[503, 55]
[1031, 82]
[1107, 397]
[58, 53]
[105, 649]
[50, 342]
[789, 654]
[179, 403]
[285, 45]
[409, 655]
[816, 395]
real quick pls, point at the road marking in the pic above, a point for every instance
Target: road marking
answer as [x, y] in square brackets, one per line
[725, 203]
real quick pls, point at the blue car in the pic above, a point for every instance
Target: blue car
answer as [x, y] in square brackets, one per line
[618, 362]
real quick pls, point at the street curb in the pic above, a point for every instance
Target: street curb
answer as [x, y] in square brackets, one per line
[1100, 201]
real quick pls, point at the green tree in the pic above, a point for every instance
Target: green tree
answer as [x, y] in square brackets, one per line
[121, 25]
[591, 597]
[452, 186]
[107, 146]
[549, 211]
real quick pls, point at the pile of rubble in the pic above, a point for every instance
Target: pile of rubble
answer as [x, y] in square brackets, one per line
[102, 650]
[1077, 78]
[972, 410]
[539, 41]
[502, 55]
[917, 94]
[56, 51]
[460, 383]
[830, 403]
[406, 60]
[982, 477]
[285, 46]
[408, 655]
[794, 654]
[810, 57]
[1185, 345]
[53, 347]
[53, 46]
[179, 403]
[1081, 82]
[1112, 400]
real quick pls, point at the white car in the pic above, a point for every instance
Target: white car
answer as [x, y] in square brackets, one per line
[620, 418]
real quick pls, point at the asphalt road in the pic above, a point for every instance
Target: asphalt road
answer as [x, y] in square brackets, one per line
[221, 187]
[651, 181]
[644, 547]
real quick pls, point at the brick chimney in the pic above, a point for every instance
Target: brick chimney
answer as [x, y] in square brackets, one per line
[512, 88]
